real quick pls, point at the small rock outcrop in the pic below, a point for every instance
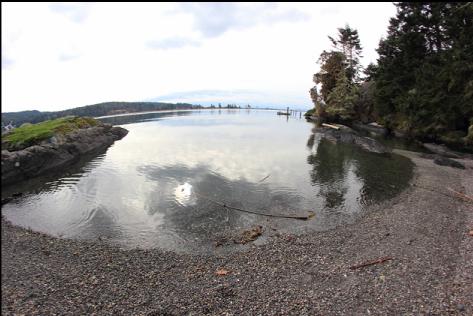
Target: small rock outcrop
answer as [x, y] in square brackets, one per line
[372, 128]
[56, 152]
[442, 150]
[349, 136]
[443, 161]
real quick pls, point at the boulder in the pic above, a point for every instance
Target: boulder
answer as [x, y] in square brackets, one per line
[372, 128]
[349, 136]
[443, 161]
[441, 150]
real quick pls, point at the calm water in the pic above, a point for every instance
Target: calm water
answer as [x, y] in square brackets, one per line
[154, 188]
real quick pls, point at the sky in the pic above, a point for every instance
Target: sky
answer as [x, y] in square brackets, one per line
[57, 56]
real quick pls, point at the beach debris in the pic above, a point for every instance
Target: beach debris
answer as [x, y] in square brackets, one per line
[331, 126]
[250, 235]
[222, 271]
[224, 205]
[369, 263]
[264, 178]
[461, 195]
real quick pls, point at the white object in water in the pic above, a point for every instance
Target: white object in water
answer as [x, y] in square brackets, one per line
[183, 193]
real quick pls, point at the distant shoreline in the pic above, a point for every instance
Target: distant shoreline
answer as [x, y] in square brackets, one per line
[189, 110]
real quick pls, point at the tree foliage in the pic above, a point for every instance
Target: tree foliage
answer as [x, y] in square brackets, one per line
[424, 77]
[338, 76]
[348, 43]
[331, 64]
[342, 99]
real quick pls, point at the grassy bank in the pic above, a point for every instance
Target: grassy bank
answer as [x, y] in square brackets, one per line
[32, 134]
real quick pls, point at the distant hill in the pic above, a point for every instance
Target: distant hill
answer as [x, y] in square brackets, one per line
[101, 109]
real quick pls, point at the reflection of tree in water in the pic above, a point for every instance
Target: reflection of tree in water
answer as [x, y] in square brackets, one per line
[381, 176]
[384, 176]
[311, 141]
[202, 218]
[329, 170]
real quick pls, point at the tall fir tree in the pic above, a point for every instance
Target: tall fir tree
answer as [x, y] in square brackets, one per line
[348, 43]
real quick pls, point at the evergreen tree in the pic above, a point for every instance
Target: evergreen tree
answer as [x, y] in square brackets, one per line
[338, 67]
[316, 99]
[342, 99]
[348, 43]
[424, 80]
[331, 64]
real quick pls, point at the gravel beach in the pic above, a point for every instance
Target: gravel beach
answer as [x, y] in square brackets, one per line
[424, 231]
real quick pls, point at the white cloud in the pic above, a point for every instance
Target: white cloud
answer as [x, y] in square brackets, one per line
[215, 18]
[56, 57]
[172, 43]
[77, 12]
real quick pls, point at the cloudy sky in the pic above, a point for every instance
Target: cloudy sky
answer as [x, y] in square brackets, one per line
[62, 55]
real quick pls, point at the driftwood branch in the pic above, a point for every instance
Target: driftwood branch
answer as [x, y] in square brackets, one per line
[264, 178]
[331, 126]
[299, 217]
[461, 195]
[369, 263]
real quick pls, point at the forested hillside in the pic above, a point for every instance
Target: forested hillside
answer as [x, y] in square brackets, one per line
[101, 109]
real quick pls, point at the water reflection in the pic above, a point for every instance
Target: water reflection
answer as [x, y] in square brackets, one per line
[157, 187]
[350, 177]
[142, 117]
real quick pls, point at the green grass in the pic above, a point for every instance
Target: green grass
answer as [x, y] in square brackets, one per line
[28, 135]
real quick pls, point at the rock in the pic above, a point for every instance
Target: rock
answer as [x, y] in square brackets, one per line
[399, 133]
[56, 152]
[118, 132]
[373, 128]
[370, 144]
[441, 150]
[349, 136]
[443, 161]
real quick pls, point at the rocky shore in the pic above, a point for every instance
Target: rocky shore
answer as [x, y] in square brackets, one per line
[349, 136]
[56, 152]
[425, 232]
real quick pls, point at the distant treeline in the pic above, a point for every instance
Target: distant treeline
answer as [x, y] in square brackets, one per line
[101, 109]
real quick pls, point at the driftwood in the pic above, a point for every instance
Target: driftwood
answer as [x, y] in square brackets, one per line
[299, 217]
[461, 195]
[331, 126]
[264, 178]
[369, 263]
